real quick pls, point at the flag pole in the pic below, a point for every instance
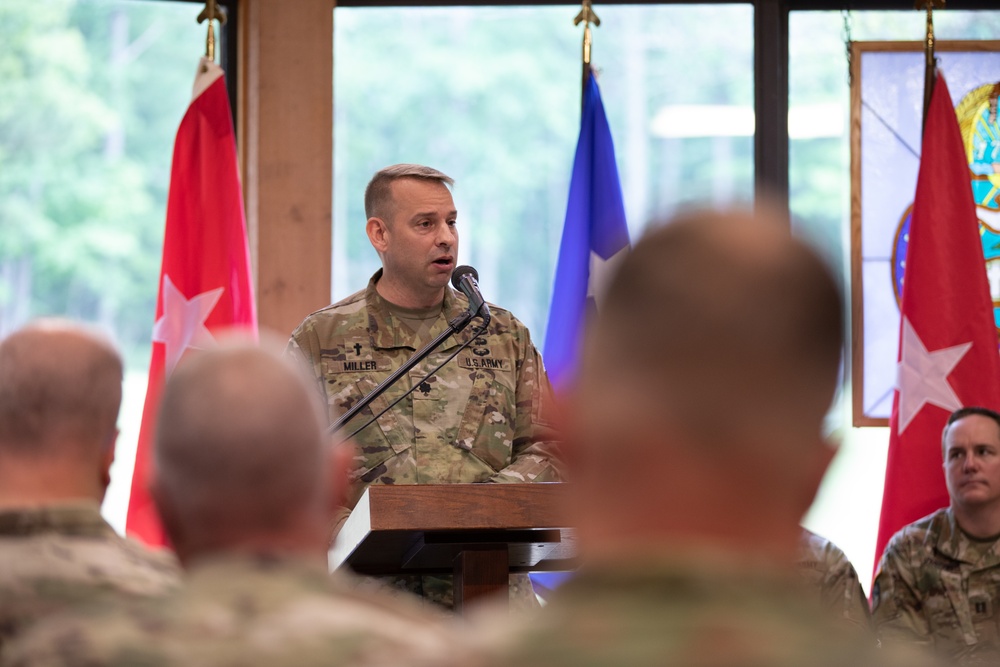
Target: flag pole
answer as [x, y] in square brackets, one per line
[212, 12]
[586, 16]
[929, 5]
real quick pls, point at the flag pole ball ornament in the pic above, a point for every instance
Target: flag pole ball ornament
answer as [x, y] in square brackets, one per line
[980, 126]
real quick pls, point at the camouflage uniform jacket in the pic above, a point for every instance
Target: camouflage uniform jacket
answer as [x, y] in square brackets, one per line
[58, 557]
[698, 611]
[932, 588]
[244, 610]
[484, 417]
[829, 572]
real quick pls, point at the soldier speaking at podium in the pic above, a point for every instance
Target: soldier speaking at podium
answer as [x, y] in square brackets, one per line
[483, 417]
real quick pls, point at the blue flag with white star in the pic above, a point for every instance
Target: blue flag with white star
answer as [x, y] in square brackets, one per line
[594, 235]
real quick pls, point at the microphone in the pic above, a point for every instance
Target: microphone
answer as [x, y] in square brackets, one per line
[464, 280]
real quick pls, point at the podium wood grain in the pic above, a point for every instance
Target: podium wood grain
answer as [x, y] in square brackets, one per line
[478, 532]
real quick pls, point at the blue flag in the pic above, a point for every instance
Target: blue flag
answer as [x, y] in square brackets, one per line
[593, 234]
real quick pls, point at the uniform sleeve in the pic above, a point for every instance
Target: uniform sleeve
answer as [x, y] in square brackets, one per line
[535, 455]
[304, 348]
[843, 589]
[896, 606]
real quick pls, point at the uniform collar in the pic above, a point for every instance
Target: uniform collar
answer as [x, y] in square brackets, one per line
[81, 518]
[387, 333]
[955, 544]
[222, 568]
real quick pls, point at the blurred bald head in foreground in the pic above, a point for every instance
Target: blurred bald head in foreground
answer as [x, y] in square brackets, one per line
[241, 458]
[60, 390]
[704, 386]
[695, 441]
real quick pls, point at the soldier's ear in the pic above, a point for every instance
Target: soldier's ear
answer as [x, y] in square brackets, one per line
[107, 458]
[378, 233]
[168, 516]
[340, 461]
[823, 453]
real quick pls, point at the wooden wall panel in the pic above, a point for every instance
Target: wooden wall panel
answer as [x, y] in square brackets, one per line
[287, 105]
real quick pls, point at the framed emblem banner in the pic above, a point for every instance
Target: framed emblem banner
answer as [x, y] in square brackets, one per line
[887, 86]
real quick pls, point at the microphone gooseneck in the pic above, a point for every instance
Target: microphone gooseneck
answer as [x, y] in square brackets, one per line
[464, 279]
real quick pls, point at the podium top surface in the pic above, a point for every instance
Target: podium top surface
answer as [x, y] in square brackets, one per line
[391, 523]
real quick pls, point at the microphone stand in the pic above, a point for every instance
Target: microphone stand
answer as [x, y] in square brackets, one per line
[454, 326]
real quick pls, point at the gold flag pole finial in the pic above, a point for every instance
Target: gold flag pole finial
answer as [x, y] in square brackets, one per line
[212, 12]
[929, 5]
[586, 16]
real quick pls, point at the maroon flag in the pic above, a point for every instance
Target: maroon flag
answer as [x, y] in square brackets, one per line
[947, 337]
[205, 281]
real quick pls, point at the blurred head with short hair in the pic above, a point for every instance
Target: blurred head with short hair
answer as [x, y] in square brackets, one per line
[60, 392]
[705, 381]
[242, 458]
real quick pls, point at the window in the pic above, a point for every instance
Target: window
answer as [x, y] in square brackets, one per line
[491, 96]
[847, 508]
[91, 94]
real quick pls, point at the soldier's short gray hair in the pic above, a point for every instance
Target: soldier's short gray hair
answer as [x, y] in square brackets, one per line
[240, 440]
[724, 311]
[60, 385]
[378, 194]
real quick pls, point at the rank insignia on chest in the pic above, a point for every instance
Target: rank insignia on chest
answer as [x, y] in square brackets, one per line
[981, 606]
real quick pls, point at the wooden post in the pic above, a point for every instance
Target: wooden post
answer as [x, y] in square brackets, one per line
[480, 573]
[287, 104]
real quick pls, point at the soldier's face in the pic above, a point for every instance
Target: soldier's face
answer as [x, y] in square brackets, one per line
[972, 461]
[420, 245]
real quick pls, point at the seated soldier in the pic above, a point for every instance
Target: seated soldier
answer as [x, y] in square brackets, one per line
[938, 584]
[60, 390]
[246, 483]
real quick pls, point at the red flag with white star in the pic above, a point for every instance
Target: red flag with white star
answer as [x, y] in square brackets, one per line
[948, 340]
[205, 281]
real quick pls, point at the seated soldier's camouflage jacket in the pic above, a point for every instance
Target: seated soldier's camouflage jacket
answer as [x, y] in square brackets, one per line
[244, 609]
[701, 608]
[940, 588]
[828, 571]
[61, 557]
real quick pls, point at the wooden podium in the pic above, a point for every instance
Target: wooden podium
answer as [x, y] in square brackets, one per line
[478, 532]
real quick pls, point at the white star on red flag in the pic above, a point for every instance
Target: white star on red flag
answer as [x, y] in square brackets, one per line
[182, 324]
[923, 375]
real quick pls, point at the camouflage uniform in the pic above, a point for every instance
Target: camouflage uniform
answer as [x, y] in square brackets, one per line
[243, 610]
[938, 587]
[484, 417]
[701, 609]
[63, 556]
[828, 571]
